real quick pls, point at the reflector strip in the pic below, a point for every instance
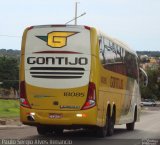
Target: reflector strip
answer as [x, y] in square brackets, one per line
[57, 68]
[68, 73]
[57, 77]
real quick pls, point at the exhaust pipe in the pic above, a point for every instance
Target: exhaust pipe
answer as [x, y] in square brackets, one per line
[30, 118]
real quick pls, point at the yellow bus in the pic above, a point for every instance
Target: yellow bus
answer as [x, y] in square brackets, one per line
[77, 77]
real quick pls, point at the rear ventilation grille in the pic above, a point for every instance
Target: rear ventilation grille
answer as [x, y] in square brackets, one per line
[57, 72]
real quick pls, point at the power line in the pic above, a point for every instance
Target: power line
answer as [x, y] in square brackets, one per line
[7, 81]
[76, 18]
[10, 36]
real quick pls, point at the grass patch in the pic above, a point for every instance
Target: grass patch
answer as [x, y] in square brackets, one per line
[9, 108]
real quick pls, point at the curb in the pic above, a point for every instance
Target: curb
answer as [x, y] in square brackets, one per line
[5, 127]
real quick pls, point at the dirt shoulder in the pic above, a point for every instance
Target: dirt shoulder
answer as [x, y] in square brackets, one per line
[10, 121]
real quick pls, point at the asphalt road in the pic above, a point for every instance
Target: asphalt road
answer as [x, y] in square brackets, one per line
[147, 132]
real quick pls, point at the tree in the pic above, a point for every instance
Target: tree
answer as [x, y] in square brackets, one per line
[9, 73]
[152, 91]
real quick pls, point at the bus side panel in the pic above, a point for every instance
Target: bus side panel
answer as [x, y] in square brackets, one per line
[118, 87]
[112, 90]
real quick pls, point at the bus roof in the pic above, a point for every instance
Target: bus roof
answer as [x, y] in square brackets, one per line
[59, 25]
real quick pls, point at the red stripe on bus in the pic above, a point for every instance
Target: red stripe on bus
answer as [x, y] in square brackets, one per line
[65, 52]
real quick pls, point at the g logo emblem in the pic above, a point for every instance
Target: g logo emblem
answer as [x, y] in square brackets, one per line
[57, 39]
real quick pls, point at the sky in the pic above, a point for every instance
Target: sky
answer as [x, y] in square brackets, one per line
[135, 22]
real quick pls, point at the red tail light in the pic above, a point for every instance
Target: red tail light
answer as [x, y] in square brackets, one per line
[91, 97]
[29, 28]
[23, 100]
[87, 27]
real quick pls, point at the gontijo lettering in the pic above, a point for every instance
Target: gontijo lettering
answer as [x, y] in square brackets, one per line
[116, 82]
[57, 60]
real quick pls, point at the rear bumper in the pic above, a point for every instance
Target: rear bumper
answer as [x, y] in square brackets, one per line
[69, 118]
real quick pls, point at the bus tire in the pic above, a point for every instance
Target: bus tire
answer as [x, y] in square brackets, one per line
[43, 130]
[110, 129]
[102, 131]
[130, 126]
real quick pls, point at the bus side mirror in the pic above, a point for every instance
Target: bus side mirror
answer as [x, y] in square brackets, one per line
[143, 77]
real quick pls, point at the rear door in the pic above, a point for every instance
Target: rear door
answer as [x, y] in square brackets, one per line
[57, 66]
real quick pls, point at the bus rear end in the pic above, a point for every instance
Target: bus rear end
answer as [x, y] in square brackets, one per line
[55, 86]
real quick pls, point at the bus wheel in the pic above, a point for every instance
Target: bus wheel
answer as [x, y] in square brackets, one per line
[110, 129]
[130, 126]
[42, 130]
[102, 131]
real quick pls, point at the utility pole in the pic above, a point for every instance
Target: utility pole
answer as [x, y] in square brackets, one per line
[76, 12]
[76, 17]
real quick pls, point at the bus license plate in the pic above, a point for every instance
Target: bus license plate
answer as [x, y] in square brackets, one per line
[55, 115]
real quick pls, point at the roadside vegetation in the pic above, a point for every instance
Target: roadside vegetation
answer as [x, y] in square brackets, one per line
[9, 108]
[9, 74]
[152, 91]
